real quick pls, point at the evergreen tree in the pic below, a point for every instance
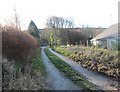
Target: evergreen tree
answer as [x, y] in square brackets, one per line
[33, 30]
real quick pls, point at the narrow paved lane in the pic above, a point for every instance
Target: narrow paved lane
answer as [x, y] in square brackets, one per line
[101, 81]
[55, 79]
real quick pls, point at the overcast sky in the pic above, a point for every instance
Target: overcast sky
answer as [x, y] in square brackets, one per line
[94, 13]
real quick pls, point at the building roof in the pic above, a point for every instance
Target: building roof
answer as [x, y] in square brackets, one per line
[112, 31]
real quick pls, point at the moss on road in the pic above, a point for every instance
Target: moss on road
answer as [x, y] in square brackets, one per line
[69, 72]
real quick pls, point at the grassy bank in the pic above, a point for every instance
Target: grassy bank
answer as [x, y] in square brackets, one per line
[69, 72]
[22, 67]
[38, 65]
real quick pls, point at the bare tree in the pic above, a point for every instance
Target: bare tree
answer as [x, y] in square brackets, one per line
[16, 19]
[59, 22]
[60, 27]
[13, 21]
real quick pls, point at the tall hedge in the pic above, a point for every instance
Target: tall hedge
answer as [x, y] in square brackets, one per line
[17, 45]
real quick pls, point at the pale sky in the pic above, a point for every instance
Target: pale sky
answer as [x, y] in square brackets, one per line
[95, 13]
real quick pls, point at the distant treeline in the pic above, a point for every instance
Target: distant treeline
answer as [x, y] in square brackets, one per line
[71, 36]
[63, 32]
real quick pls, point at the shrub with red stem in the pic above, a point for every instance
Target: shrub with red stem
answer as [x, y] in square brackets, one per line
[18, 45]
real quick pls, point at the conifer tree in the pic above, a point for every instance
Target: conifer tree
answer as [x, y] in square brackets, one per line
[33, 30]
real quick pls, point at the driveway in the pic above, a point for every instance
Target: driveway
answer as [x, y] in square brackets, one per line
[102, 82]
[55, 78]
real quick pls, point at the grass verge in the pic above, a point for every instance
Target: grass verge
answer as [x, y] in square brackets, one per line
[38, 65]
[69, 72]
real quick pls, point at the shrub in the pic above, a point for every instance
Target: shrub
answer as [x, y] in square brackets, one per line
[17, 45]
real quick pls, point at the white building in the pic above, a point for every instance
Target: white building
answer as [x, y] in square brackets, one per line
[109, 38]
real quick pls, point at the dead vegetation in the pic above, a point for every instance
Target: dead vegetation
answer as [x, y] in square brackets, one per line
[101, 60]
[18, 50]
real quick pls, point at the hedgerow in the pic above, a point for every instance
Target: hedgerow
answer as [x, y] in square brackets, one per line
[20, 53]
[18, 45]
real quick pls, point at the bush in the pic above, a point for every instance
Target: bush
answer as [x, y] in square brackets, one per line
[17, 45]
